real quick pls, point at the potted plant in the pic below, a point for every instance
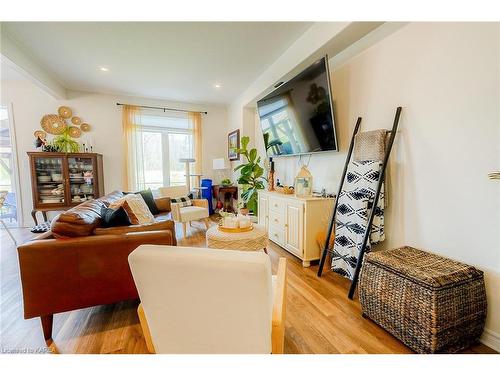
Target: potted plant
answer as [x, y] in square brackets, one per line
[64, 143]
[243, 208]
[251, 175]
[226, 182]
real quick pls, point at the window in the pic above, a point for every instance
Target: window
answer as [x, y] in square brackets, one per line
[165, 138]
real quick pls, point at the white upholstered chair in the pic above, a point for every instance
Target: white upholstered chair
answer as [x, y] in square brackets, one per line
[197, 300]
[198, 211]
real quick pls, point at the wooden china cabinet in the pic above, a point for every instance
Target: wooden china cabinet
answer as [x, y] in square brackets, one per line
[60, 181]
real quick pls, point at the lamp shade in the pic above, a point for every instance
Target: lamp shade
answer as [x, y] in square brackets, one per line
[219, 163]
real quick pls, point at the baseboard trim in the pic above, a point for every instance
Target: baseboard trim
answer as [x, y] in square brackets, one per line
[491, 339]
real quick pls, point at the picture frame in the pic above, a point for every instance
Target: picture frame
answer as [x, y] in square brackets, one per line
[233, 141]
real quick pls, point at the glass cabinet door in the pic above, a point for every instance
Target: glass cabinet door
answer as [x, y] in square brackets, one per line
[49, 174]
[81, 179]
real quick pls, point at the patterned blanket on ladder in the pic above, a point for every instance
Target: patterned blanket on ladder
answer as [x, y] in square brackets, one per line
[354, 205]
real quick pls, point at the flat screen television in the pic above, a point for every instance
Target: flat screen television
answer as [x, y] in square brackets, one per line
[297, 117]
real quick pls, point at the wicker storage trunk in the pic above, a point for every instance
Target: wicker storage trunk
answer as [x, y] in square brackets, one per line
[432, 304]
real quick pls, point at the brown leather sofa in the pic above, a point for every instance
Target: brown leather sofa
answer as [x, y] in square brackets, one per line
[80, 264]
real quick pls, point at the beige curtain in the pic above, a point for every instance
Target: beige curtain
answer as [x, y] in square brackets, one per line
[195, 124]
[133, 166]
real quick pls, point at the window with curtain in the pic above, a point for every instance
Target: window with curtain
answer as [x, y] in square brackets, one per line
[156, 142]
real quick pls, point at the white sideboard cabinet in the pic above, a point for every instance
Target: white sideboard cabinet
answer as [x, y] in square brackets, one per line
[294, 223]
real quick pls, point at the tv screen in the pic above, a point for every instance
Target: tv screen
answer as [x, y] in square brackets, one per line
[297, 117]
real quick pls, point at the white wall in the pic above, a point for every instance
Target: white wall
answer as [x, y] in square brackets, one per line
[30, 103]
[446, 76]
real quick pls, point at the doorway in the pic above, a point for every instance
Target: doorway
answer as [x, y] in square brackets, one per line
[10, 208]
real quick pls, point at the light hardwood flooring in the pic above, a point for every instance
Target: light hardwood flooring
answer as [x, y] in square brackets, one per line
[319, 318]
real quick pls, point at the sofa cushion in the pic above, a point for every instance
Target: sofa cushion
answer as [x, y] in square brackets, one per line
[193, 213]
[158, 225]
[83, 219]
[163, 216]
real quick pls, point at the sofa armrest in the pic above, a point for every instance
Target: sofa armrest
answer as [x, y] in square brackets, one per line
[279, 309]
[66, 274]
[200, 203]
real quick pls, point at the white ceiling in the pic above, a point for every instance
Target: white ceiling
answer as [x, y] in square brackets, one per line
[178, 61]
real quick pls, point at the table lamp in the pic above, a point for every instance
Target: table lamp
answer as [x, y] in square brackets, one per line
[220, 165]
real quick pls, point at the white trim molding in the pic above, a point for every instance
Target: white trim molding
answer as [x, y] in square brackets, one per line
[18, 59]
[491, 339]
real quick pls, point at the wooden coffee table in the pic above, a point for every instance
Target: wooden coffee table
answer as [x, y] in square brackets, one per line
[253, 240]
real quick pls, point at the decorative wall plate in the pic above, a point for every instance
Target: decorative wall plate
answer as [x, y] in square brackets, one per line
[40, 134]
[76, 120]
[74, 132]
[85, 127]
[53, 124]
[64, 112]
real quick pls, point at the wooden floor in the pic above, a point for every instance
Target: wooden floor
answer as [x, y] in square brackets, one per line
[319, 317]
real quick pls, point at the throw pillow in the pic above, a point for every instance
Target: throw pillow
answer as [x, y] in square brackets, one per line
[147, 195]
[137, 210]
[114, 217]
[182, 201]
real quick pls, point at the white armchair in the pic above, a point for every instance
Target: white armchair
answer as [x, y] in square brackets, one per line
[198, 211]
[197, 300]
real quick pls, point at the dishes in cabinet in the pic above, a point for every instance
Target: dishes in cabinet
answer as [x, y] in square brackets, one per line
[56, 177]
[51, 200]
[44, 179]
[86, 189]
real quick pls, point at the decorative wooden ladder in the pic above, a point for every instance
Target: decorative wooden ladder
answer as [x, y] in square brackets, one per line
[371, 214]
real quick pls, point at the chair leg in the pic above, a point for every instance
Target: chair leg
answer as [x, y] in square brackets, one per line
[184, 229]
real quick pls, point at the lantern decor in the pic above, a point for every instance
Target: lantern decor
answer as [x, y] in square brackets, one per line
[303, 183]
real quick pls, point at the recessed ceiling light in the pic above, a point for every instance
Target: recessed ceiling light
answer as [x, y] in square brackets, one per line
[103, 69]
[217, 85]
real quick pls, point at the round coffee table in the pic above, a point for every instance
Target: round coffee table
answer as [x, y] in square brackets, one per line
[253, 240]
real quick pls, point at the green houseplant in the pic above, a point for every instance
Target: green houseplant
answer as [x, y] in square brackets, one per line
[64, 143]
[251, 175]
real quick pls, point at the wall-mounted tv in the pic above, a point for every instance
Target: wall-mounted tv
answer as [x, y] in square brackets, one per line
[297, 117]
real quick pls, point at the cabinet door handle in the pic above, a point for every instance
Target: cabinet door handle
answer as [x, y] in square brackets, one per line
[276, 220]
[275, 205]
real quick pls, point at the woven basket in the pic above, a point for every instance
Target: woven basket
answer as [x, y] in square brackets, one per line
[431, 303]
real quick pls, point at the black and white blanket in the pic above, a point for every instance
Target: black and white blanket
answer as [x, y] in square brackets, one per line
[355, 203]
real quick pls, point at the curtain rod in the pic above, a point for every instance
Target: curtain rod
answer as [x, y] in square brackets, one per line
[164, 109]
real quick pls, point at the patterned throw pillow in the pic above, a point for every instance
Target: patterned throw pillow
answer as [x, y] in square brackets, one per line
[182, 201]
[137, 210]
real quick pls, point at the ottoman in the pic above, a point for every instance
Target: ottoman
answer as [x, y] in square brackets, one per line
[253, 240]
[431, 303]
